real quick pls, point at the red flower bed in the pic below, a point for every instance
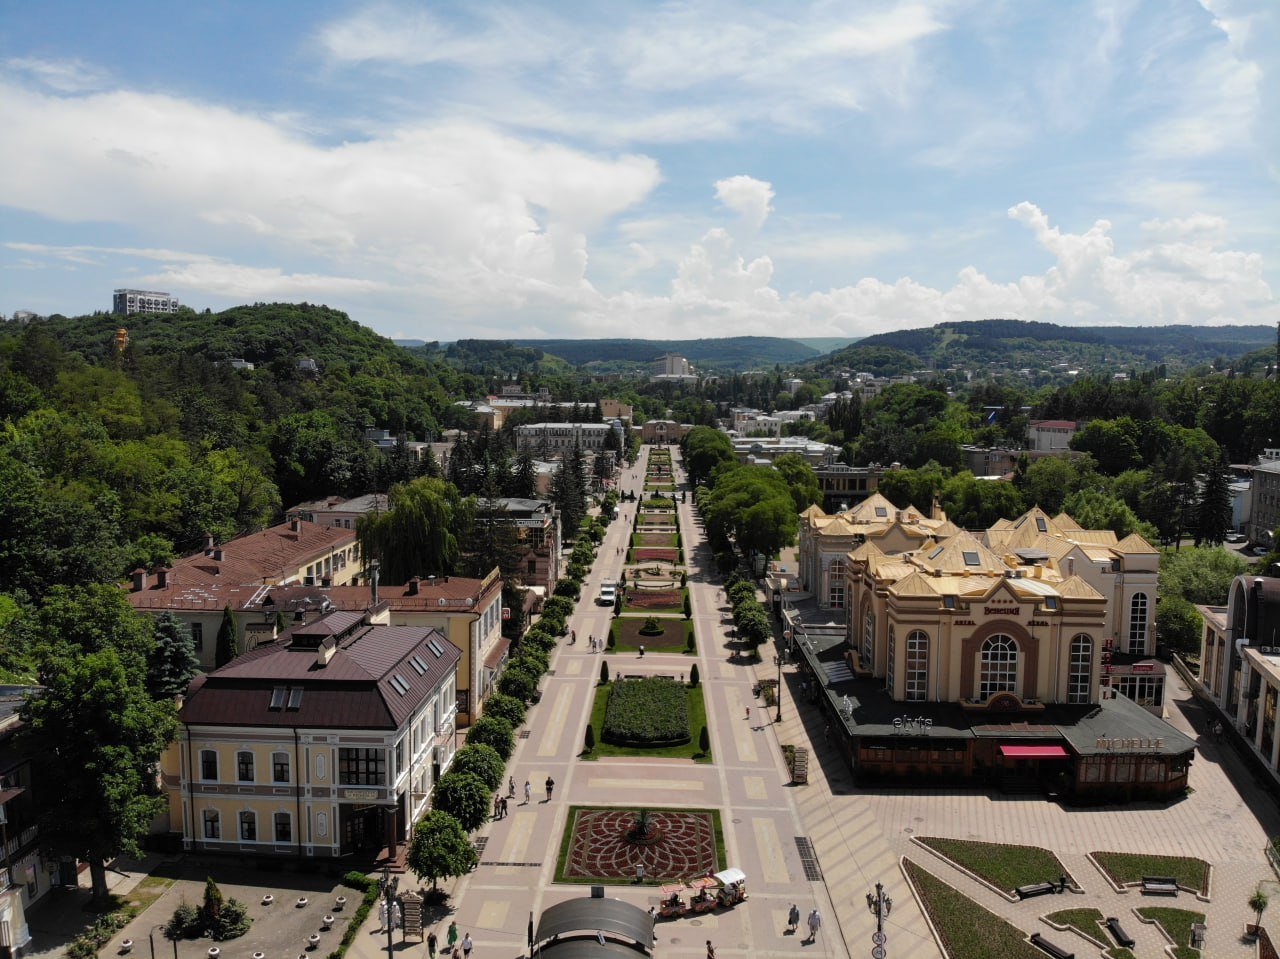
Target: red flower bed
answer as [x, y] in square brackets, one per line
[651, 553]
[653, 598]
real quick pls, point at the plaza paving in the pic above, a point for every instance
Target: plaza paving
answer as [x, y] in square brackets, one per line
[858, 835]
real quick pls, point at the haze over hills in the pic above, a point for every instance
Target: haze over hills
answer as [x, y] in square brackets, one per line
[726, 353]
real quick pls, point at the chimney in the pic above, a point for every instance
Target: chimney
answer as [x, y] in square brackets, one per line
[162, 576]
[431, 580]
[414, 584]
[374, 568]
[326, 651]
[139, 579]
[1071, 565]
[209, 542]
[216, 554]
[295, 525]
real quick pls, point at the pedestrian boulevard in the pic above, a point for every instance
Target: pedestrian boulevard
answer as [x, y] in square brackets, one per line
[857, 837]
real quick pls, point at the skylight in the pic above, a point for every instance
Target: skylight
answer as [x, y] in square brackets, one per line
[435, 647]
[416, 662]
[971, 558]
[881, 511]
[277, 698]
[295, 697]
[936, 552]
[1041, 525]
[400, 683]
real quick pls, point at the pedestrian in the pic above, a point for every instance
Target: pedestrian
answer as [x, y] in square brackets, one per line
[573, 636]
[466, 945]
[497, 806]
[432, 943]
[382, 915]
[528, 793]
[793, 917]
[504, 807]
[397, 915]
[511, 786]
[748, 715]
[453, 933]
[815, 923]
[826, 734]
[600, 936]
[711, 950]
[642, 650]
[551, 784]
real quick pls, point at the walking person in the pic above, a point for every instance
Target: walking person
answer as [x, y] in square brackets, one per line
[397, 915]
[383, 916]
[497, 806]
[504, 807]
[511, 786]
[711, 950]
[453, 935]
[466, 945]
[551, 784]
[432, 943]
[528, 793]
[793, 917]
[815, 923]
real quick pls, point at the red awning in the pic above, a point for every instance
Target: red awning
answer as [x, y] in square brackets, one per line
[1033, 752]
[497, 654]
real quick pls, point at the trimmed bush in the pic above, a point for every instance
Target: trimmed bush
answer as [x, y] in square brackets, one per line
[646, 712]
[567, 587]
[693, 675]
[604, 673]
[558, 604]
[515, 684]
[589, 741]
[532, 660]
[480, 760]
[652, 627]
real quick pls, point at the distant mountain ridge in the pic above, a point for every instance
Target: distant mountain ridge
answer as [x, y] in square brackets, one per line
[725, 353]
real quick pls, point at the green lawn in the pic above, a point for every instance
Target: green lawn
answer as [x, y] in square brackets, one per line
[625, 631]
[1004, 866]
[967, 929]
[1128, 867]
[1084, 921]
[689, 750]
[1176, 923]
[654, 539]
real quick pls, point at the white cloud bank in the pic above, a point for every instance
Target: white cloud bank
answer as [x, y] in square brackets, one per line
[455, 219]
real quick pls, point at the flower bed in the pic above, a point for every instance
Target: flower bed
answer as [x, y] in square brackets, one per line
[595, 848]
[651, 554]
[654, 600]
[1004, 866]
[967, 930]
[646, 712]
[627, 637]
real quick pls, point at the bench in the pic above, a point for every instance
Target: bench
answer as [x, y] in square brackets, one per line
[1197, 935]
[1159, 885]
[1036, 889]
[1057, 952]
[1121, 937]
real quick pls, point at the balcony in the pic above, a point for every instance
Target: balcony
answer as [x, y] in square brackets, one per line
[20, 841]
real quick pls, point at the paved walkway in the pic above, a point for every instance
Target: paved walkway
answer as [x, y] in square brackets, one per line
[858, 835]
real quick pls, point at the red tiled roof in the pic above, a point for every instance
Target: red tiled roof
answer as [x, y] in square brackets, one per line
[354, 689]
[268, 554]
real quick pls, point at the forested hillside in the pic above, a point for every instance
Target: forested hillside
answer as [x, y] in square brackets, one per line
[726, 353]
[115, 458]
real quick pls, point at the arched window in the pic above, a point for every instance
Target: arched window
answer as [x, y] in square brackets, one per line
[917, 666]
[244, 766]
[248, 826]
[1138, 623]
[892, 663]
[999, 666]
[1080, 670]
[868, 637]
[835, 584]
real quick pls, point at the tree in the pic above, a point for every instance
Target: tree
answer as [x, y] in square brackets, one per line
[569, 491]
[464, 796]
[95, 737]
[688, 607]
[704, 741]
[173, 663]
[510, 708]
[693, 675]
[1213, 512]
[1258, 903]
[704, 448]
[604, 672]
[1200, 574]
[589, 740]
[494, 732]
[800, 478]
[419, 534]
[480, 761]
[228, 645]
[1095, 510]
[440, 848]
[517, 684]
[753, 506]
[524, 479]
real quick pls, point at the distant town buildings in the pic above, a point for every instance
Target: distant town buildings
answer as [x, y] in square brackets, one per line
[673, 368]
[128, 302]
[1051, 436]
[554, 439]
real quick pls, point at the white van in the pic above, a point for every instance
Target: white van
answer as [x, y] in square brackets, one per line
[608, 593]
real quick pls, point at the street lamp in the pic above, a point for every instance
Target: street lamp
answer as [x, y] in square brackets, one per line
[152, 942]
[387, 888]
[880, 906]
[778, 659]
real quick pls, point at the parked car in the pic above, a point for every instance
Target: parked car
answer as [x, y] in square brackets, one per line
[1235, 537]
[608, 594]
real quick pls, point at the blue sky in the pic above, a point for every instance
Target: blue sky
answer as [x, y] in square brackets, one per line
[441, 170]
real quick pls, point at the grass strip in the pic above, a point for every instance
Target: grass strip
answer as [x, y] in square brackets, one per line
[1176, 924]
[1086, 921]
[1129, 867]
[968, 931]
[1004, 866]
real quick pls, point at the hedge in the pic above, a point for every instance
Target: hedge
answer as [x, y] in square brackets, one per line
[647, 712]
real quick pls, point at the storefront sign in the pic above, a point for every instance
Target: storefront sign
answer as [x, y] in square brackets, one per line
[1130, 743]
[965, 622]
[361, 794]
[1143, 668]
[1001, 610]
[912, 723]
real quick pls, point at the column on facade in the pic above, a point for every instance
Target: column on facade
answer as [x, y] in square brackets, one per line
[1242, 699]
[1260, 712]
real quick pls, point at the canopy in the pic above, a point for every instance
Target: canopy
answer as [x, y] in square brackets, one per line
[1033, 752]
[671, 888]
[730, 876]
[588, 915]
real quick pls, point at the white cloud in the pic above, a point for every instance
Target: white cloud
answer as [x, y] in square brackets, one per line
[64, 76]
[747, 197]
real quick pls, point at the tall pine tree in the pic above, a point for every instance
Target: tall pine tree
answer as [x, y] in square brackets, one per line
[1213, 512]
[228, 647]
[173, 662]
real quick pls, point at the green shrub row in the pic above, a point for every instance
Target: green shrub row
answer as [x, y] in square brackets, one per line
[646, 711]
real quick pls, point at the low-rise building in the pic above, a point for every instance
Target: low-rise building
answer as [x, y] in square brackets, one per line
[537, 524]
[548, 440]
[1050, 436]
[1264, 501]
[663, 431]
[323, 744]
[343, 512]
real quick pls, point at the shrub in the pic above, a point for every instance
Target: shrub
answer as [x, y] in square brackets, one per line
[358, 880]
[652, 627]
[233, 921]
[648, 711]
[558, 604]
[604, 669]
[693, 675]
[704, 741]
[688, 642]
[589, 741]
[684, 579]
[184, 923]
[533, 661]
[542, 641]
[515, 684]
[494, 732]
[510, 708]
[612, 640]
[480, 760]
[688, 607]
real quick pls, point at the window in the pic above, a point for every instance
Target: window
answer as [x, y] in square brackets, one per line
[280, 767]
[208, 765]
[999, 667]
[970, 557]
[1041, 525]
[277, 698]
[889, 667]
[248, 826]
[1080, 669]
[1138, 623]
[531, 567]
[244, 766]
[284, 827]
[295, 697]
[868, 637]
[197, 637]
[835, 584]
[362, 767]
[917, 666]
[212, 824]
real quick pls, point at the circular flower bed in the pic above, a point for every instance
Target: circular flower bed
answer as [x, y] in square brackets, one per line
[599, 849]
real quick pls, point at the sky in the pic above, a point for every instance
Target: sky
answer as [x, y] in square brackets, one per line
[681, 170]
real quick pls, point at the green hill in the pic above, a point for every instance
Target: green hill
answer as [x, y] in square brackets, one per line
[725, 353]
